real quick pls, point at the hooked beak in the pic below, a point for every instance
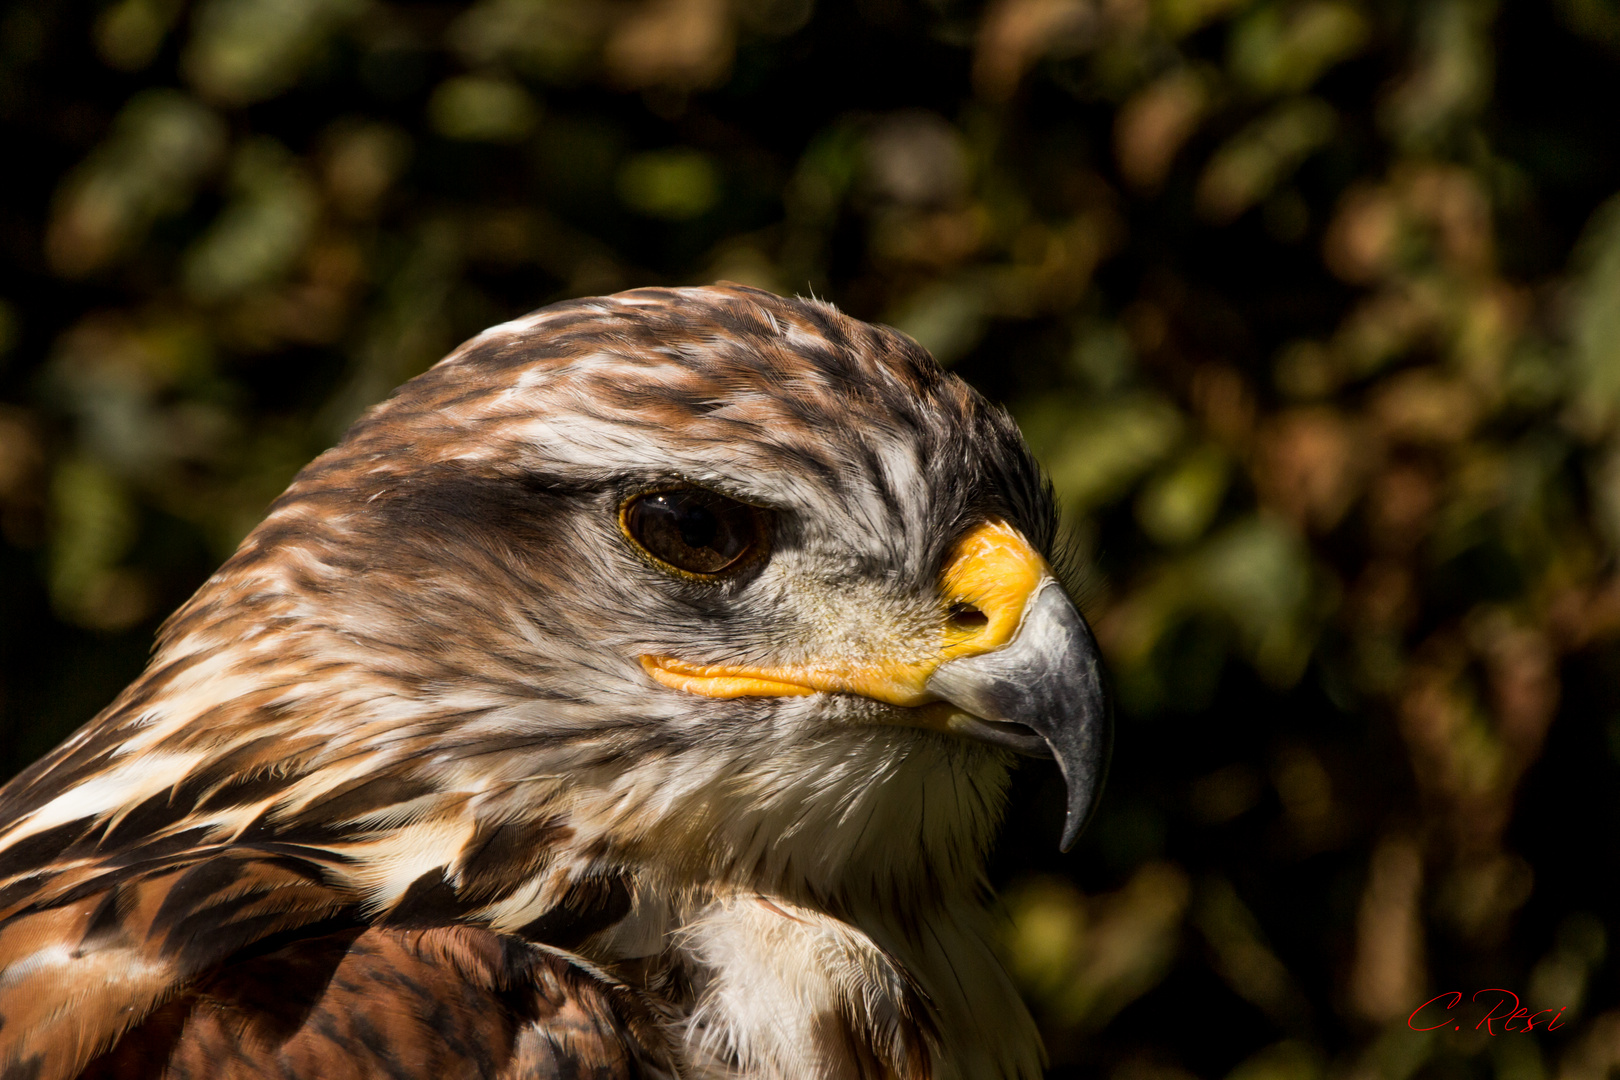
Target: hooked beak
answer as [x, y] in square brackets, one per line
[1041, 694]
[1023, 673]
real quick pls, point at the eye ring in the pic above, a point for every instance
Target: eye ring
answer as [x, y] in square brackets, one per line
[692, 531]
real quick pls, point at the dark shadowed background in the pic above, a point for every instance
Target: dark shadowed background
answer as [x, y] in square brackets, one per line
[1311, 307]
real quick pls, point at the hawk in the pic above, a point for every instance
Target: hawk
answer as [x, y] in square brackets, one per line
[631, 695]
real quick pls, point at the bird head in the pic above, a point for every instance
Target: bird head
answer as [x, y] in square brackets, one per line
[703, 579]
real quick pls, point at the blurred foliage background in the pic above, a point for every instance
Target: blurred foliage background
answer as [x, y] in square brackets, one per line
[1312, 307]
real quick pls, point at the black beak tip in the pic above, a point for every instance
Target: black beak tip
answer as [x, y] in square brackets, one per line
[1084, 774]
[1079, 815]
[1083, 801]
[1071, 833]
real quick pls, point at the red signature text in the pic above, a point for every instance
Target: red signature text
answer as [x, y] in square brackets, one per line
[1503, 1013]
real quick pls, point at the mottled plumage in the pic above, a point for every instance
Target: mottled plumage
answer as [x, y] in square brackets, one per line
[409, 789]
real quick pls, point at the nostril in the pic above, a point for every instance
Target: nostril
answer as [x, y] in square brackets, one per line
[967, 617]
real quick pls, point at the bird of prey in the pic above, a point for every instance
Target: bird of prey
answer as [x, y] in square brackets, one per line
[631, 695]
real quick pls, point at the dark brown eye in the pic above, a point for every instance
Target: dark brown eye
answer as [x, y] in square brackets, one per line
[692, 529]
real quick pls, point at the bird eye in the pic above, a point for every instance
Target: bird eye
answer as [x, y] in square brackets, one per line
[691, 529]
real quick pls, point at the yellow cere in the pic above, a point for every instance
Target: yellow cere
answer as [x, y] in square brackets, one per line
[993, 568]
